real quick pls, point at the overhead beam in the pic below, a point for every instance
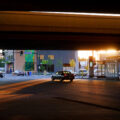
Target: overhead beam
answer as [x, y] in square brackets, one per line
[60, 22]
[61, 31]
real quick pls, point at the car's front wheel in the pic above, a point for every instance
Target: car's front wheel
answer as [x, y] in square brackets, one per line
[61, 79]
[53, 79]
[71, 80]
[1, 76]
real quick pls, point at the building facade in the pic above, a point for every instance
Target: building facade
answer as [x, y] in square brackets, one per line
[9, 61]
[42, 60]
[25, 60]
[112, 65]
[56, 60]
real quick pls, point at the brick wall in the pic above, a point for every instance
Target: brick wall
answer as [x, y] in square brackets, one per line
[19, 61]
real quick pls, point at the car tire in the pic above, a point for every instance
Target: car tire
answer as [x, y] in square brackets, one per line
[1, 76]
[61, 80]
[71, 80]
[53, 79]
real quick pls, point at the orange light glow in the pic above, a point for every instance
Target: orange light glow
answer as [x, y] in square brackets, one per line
[85, 54]
[111, 51]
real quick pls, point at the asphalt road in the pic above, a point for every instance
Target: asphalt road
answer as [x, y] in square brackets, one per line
[44, 99]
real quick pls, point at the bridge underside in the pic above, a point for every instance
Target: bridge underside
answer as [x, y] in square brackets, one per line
[71, 6]
[58, 41]
[58, 31]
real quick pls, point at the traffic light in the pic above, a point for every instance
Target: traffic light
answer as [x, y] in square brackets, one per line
[21, 53]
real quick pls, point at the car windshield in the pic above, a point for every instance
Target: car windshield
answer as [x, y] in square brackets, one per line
[62, 72]
[59, 73]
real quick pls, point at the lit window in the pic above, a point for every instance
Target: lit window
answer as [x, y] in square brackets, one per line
[41, 57]
[51, 57]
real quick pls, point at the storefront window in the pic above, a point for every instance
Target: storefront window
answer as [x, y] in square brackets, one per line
[51, 57]
[41, 57]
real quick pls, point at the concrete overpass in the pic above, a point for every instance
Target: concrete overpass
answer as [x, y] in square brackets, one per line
[59, 30]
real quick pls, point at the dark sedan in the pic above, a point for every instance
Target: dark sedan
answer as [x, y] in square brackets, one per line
[63, 75]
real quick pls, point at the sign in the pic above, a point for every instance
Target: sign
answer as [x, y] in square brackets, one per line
[27, 52]
[72, 63]
[29, 57]
[29, 60]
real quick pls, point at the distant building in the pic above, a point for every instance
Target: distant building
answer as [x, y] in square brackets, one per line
[25, 60]
[112, 67]
[2, 63]
[112, 64]
[9, 61]
[41, 60]
[55, 60]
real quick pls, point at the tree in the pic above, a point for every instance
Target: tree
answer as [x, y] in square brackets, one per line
[87, 67]
[2, 62]
[59, 63]
[50, 63]
[42, 68]
[72, 63]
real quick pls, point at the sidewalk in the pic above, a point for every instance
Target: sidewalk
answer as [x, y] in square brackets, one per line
[9, 78]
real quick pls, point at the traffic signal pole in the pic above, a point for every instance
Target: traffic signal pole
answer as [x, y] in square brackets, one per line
[91, 66]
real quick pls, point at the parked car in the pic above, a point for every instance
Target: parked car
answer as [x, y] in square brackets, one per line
[63, 75]
[99, 73]
[83, 72]
[18, 73]
[75, 73]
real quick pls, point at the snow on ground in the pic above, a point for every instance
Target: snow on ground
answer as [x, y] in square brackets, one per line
[9, 78]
